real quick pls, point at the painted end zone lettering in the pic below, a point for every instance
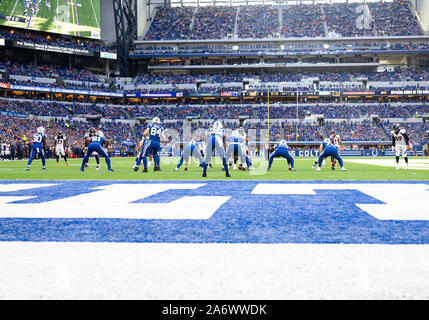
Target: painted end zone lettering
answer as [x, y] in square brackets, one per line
[215, 211]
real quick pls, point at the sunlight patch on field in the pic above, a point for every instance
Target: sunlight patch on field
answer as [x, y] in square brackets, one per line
[416, 164]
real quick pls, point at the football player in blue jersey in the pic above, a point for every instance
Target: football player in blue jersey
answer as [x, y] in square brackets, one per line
[329, 150]
[281, 150]
[38, 147]
[95, 144]
[190, 150]
[216, 140]
[91, 133]
[154, 135]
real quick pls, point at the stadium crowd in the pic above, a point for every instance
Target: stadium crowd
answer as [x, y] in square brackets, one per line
[297, 20]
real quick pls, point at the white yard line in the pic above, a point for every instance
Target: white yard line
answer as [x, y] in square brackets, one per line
[95, 15]
[56, 18]
[13, 10]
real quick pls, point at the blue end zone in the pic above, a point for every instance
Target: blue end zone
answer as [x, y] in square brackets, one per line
[329, 216]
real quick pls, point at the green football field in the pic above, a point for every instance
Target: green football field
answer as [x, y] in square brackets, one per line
[71, 17]
[419, 170]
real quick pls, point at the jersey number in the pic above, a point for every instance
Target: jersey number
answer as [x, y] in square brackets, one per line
[155, 131]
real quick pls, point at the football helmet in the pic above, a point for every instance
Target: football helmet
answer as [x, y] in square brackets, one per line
[218, 125]
[156, 120]
[41, 130]
[397, 127]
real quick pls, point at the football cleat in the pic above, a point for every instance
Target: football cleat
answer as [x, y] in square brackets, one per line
[177, 169]
[135, 168]
[186, 168]
[333, 167]
[318, 169]
[343, 169]
[111, 170]
[98, 167]
[44, 169]
[82, 170]
[28, 169]
[204, 174]
[210, 165]
[144, 170]
[397, 167]
[313, 166]
[156, 168]
[228, 175]
[293, 169]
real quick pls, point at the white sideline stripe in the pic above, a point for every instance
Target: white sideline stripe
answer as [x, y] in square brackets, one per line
[414, 164]
[212, 271]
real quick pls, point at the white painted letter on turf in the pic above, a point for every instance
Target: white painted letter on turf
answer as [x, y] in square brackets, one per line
[402, 201]
[115, 201]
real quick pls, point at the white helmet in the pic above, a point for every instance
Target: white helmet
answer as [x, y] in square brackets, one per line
[283, 143]
[218, 125]
[99, 133]
[41, 130]
[156, 120]
[327, 140]
[235, 134]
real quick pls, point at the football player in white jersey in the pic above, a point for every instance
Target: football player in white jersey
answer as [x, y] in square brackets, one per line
[202, 148]
[235, 150]
[216, 140]
[245, 147]
[338, 143]
[60, 146]
[400, 144]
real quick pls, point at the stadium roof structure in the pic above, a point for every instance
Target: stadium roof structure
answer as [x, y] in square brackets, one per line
[202, 3]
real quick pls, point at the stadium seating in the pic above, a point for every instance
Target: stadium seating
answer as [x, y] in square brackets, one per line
[51, 39]
[258, 22]
[301, 20]
[213, 23]
[394, 19]
[341, 19]
[170, 24]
